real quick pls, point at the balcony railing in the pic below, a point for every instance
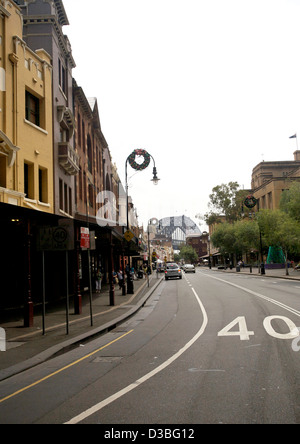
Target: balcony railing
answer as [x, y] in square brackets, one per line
[68, 159]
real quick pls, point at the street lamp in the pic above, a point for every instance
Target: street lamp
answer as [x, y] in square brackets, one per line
[155, 179]
[138, 167]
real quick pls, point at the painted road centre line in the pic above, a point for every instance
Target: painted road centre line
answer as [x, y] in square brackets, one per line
[96, 408]
[62, 369]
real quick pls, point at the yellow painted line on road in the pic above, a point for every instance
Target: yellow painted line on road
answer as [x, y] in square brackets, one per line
[63, 369]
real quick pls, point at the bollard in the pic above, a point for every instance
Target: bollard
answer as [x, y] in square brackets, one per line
[2, 340]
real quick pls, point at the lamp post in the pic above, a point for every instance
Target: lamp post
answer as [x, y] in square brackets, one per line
[138, 167]
[250, 202]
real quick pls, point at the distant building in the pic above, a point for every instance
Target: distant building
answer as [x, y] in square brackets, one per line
[177, 228]
[270, 179]
[200, 245]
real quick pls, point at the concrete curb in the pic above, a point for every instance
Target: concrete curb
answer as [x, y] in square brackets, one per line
[291, 278]
[66, 345]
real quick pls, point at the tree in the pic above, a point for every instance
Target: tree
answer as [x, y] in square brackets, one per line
[224, 238]
[247, 236]
[280, 230]
[226, 200]
[290, 201]
[189, 254]
[176, 257]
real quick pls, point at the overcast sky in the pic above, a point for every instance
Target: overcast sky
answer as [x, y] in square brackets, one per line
[209, 88]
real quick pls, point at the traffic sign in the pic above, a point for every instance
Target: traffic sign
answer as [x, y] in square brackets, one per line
[84, 237]
[60, 238]
[128, 235]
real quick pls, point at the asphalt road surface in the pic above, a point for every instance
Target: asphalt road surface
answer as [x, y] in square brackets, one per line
[212, 348]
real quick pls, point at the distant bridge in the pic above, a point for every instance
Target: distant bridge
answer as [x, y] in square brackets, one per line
[178, 228]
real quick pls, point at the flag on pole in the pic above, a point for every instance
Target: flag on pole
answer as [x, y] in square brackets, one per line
[294, 136]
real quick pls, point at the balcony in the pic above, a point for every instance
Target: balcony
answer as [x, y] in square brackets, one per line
[68, 159]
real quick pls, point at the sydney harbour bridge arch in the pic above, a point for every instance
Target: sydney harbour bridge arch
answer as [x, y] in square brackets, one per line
[178, 228]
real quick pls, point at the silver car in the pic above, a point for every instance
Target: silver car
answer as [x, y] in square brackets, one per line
[189, 268]
[172, 271]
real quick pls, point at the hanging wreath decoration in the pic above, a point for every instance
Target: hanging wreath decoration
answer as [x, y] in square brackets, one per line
[250, 201]
[139, 166]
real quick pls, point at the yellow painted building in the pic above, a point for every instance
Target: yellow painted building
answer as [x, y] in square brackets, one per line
[26, 139]
[270, 179]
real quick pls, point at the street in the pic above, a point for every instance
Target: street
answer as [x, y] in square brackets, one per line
[212, 348]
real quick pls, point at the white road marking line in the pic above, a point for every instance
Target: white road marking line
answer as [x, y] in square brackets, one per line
[273, 301]
[96, 408]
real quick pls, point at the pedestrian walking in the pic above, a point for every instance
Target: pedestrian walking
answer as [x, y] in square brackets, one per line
[98, 280]
[115, 278]
[120, 278]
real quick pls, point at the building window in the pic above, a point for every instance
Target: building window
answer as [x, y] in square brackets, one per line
[32, 109]
[80, 184]
[91, 196]
[79, 129]
[83, 137]
[62, 76]
[70, 201]
[61, 195]
[43, 185]
[29, 180]
[66, 209]
[2, 171]
[84, 187]
[90, 154]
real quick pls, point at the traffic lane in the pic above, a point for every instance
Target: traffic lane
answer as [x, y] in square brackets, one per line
[186, 322]
[220, 379]
[276, 287]
[60, 386]
[35, 403]
[261, 371]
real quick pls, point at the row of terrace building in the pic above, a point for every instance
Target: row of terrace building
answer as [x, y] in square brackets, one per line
[56, 169]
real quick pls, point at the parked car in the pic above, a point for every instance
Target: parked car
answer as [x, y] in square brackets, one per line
[189, 268]
[172, 271]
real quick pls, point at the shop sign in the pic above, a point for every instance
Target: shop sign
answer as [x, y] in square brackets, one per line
[84, 237]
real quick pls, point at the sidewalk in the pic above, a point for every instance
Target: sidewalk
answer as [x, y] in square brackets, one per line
[27, 347]
[281, 273]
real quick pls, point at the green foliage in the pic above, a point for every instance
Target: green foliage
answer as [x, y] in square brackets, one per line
[280, 230]
[226, 200]
[238, 237]
[277, 229]
[176, 258]
[223, 238]
[189, 254]
[290, 201]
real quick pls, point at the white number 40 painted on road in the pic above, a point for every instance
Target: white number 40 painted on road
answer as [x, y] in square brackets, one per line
[245, 334]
